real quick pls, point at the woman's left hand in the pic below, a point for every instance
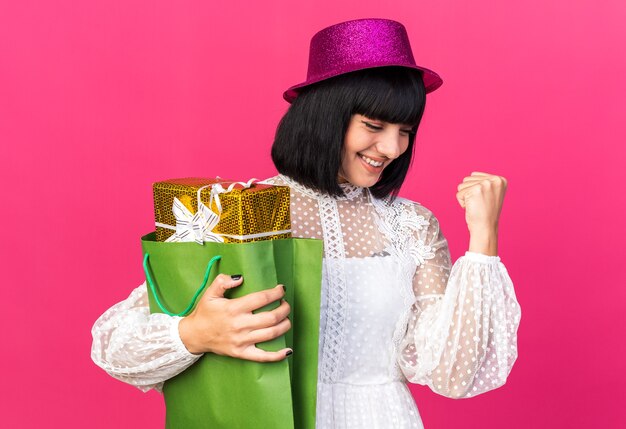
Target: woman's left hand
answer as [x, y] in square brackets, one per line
[482, 195]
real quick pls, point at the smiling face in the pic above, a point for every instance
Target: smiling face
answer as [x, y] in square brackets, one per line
[369, 147]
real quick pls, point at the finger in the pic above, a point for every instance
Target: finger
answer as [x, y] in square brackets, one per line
[222, 283]
[473, 178]
[466, 185]
[259, 299]
[480, 173]
[258, 355]
[267, 334]
[477, 177]
[460, 197]
[482, 180]
[266, 319]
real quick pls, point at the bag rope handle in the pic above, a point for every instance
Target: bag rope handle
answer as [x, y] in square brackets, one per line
[195, 296]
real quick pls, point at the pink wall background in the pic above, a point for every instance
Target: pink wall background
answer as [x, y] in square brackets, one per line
[100, 99]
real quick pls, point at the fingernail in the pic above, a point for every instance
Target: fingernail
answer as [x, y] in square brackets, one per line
[235, 276]
[289, 352]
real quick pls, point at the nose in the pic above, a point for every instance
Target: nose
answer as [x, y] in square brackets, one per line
[391, 144]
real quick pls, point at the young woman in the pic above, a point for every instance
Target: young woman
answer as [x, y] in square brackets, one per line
[394, 308]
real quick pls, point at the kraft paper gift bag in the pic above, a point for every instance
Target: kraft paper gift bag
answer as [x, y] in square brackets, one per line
[224, 392]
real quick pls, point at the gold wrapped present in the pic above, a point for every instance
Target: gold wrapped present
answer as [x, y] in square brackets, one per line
[215, 209]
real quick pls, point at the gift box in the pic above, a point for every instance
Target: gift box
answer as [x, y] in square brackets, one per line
[215, 209]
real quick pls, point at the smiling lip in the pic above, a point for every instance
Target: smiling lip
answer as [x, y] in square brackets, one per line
[373, 157]
[371, 168]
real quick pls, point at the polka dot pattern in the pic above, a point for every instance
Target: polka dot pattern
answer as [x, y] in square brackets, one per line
[137, 347]
[394, 309]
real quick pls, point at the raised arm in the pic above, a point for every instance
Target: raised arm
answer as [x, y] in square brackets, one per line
[461, 339]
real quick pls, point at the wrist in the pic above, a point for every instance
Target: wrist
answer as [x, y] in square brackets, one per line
[185, 332]
[484, 240]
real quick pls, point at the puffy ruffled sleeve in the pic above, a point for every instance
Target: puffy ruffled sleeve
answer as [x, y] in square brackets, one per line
[137, 347]
[461, 338]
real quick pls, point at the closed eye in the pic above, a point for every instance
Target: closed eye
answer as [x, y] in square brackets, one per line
[372, 126]
[377, 128]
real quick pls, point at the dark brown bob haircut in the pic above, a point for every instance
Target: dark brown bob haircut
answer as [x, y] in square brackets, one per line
[309, 138]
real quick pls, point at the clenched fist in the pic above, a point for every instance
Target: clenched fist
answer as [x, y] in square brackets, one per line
[482, 195]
